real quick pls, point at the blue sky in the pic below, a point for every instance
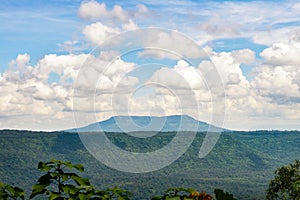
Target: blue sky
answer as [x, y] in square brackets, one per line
[32, 27]
[254, 46]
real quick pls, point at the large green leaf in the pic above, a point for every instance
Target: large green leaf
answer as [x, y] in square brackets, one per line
[68, 164]
[81, 181]
[55, 196]
[3, 195]
[19, 192]
[69, 189]
[2, 185]
[38, 189]
[84, 196]
[45, 166]
[79, 167]
[15, 191]
[45, 179]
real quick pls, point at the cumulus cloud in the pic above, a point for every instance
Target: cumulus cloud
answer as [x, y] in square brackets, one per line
[181, 76]
[158, 54]
[286, 35]
[105, 88]
[275, 81]
[142, 10]
[130, 26]
[97, 33]
[245, 56]
[36, 95]
[92, 10]
[170, 44]
[281, 54]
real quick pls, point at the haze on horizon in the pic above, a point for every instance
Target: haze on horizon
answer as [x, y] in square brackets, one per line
[254, 45]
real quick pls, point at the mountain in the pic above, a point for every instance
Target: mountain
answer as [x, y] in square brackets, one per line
[148, 124]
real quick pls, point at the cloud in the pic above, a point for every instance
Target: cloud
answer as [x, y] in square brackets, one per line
[158, 54]
[32, 98]
[181, 77]
[219, 27]
[130, 26]
[97, 33]
[168, 43]
[92, 10]
[273, 81]
[286, 35]
[33, 94]
[245, 56]
[281, 54]
[142, 9]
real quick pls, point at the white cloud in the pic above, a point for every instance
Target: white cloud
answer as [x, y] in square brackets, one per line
[181, 77]
[97, 33]
[281, 54]
[108, 55]
[272, 95]
[130, 26]
[158, 54]
[92, 10]
[245, 56]
[35, 96]
[142, 9]
[275, 82]
[119, 13]
[219, 27]
[286, 35]
[169, 43]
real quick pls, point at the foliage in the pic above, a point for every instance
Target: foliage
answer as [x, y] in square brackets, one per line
[69, 185]
[59, 184]
[286, 184]
[183, 194]
[10, 192]
[241, 162]
[221, 195]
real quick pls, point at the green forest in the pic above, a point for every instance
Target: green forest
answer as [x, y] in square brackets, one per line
[242, 163]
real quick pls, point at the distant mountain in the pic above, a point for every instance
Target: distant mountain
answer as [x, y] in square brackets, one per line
[148, 124]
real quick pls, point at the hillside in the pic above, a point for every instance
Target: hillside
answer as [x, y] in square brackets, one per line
[241, 162]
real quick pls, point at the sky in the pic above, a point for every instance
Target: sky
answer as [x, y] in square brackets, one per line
[68, 63]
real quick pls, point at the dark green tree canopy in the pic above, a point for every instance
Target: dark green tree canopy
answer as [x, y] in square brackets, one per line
[286, 184]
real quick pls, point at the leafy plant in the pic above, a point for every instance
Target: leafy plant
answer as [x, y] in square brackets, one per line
[286, 184]
[10, 192]
[58, 184]
[113, 193]
[221, 195]
[69, 185]
[183, 194]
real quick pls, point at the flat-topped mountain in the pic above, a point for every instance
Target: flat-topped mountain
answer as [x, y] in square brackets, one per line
[148, 124]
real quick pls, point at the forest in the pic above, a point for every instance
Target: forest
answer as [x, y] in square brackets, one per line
[242, 163]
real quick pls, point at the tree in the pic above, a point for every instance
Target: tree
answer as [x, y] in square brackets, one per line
[10, 192]
[58, 184]
[286, 184]
[221, 195]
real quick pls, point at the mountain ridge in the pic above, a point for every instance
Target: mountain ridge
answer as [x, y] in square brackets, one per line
[169, 123]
